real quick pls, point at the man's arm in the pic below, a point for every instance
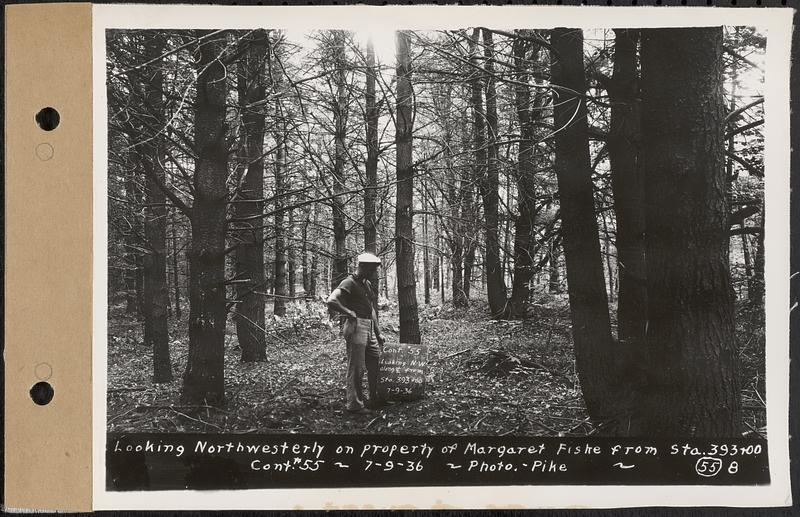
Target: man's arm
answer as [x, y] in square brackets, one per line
[335, 303]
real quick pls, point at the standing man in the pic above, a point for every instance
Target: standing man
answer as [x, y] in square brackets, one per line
[355, 298]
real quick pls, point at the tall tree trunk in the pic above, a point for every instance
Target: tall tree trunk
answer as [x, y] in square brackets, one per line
[479, 141]
[469, 263]
[627, 183]
[340, 131]
[693, 364]
[371, 166]
[554, 282]
[756, 294]
[279, 304]
[526, 187]
[203, 380]
[290, 255]
[456, 260]
[269, 260]
[175, 269]
[443, 267]
[490, 187]
[608, 258]
[435, 264]
[140, 188]
[304, 257]
[314, 273]
[755, 291]
[156, 294]
[455, 192]
[507, 274]
[249, 235]
[130, 241]
[404, 211]
[435, 271]
[136, 236]
[139, 268]
[426, 269]
[748, 265]
[591, 330]
[483, 271]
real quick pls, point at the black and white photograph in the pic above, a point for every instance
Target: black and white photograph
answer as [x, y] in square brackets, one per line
[333, 253]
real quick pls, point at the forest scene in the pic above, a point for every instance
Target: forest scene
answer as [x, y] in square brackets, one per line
[572, 222]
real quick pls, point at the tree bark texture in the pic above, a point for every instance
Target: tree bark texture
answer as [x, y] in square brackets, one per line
[249, 235]
[456, 266]
[755, 290]
[426, 270]
[304, 257]
[139, 261]
[490, 187]
[436, 257]
[526, 187]
[693, 364]
[175, 267]
[371, 166]
[455, 191]
[404, 211]
[627, 183]
[607, 254]
[479, 140]
[279, 304]
[290, 254]
[591, 331]
[554, 281]
[470, 247]
[156, 293]
[131, 247]
[340, 154]
[203, 380]
[314, 269]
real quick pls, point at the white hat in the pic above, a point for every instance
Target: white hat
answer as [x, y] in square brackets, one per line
[368, 258]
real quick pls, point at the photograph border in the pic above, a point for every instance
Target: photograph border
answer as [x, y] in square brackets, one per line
[777, 22]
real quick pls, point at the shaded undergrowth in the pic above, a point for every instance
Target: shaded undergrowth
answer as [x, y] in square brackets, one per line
[484, 377]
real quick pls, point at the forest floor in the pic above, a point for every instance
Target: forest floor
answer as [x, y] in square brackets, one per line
[484, 378]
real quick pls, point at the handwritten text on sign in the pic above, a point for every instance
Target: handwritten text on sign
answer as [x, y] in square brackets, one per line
[402, 372]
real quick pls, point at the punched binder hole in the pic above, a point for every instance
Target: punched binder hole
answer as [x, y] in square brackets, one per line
[48, 118]
[42, 393]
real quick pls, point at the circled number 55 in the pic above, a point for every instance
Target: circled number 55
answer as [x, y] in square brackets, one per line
[708, 466]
